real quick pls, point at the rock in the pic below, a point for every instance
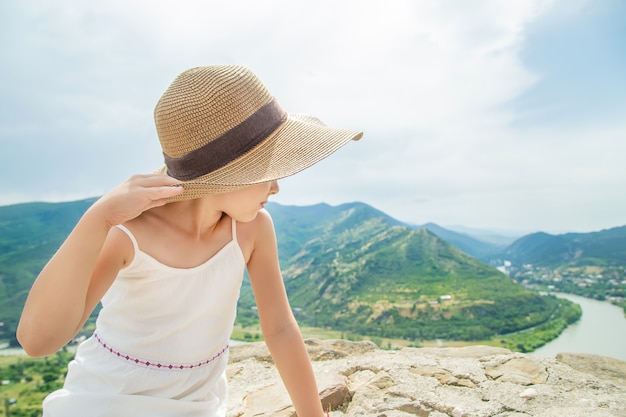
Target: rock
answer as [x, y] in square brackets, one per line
[245, 351]
[273, 399]
[333, 349]
[334, 391]
[528, 393]
[522, 370]
[358, 379]
[466, 351]
[609, 369]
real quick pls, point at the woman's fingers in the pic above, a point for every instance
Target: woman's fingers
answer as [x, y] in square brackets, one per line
[158, 188]
[136, 195]
[161, 194]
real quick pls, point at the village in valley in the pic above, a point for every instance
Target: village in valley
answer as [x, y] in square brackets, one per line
[604, 283]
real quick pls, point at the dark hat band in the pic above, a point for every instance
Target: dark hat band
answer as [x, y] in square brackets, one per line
[229, 146]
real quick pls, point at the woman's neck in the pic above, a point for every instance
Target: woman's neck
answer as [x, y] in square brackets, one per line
[197, 217]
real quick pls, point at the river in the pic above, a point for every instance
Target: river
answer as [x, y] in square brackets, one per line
[601, 330]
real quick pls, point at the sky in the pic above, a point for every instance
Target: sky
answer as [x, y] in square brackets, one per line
[501, 115]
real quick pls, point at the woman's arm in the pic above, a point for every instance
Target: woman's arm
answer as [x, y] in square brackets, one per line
[71, 284]
[280, 330]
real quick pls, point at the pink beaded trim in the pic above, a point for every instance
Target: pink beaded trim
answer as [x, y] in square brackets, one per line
[159, 365]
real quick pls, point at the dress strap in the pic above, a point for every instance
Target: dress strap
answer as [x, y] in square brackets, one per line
[234, 229]
[130, 236]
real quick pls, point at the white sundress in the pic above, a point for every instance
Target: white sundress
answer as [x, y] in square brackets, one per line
[161, 344]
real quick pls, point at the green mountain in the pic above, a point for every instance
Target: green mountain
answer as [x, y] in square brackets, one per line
[356, 269]
[602, 248]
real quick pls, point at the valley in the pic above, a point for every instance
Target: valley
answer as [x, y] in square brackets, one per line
[357, 273]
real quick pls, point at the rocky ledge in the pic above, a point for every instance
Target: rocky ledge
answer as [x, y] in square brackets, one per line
[358, 379]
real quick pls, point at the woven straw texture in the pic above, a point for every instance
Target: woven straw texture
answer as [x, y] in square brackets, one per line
[205, 103]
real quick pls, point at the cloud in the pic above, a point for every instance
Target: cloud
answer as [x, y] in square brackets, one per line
[462, 106]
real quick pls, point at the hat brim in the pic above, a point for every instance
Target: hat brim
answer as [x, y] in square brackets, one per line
[300, 142]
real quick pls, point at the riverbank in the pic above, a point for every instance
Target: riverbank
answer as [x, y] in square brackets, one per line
[600, 331]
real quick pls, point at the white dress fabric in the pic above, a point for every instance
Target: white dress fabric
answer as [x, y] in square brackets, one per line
[161, 344]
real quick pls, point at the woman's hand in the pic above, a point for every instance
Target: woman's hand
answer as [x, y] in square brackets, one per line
[136, 195]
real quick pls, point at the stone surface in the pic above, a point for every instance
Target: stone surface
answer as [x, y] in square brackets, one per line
[602, 367]
[358, 379]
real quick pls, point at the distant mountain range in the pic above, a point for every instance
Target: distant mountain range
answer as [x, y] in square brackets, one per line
[351, 267]
[606, 247]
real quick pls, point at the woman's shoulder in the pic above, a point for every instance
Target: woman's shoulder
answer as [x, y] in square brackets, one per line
[260, 230]
[262, 221]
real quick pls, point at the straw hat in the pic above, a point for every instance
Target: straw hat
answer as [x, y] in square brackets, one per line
[220, 130]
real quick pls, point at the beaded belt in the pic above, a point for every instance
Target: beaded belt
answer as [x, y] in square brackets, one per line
[155, 364]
